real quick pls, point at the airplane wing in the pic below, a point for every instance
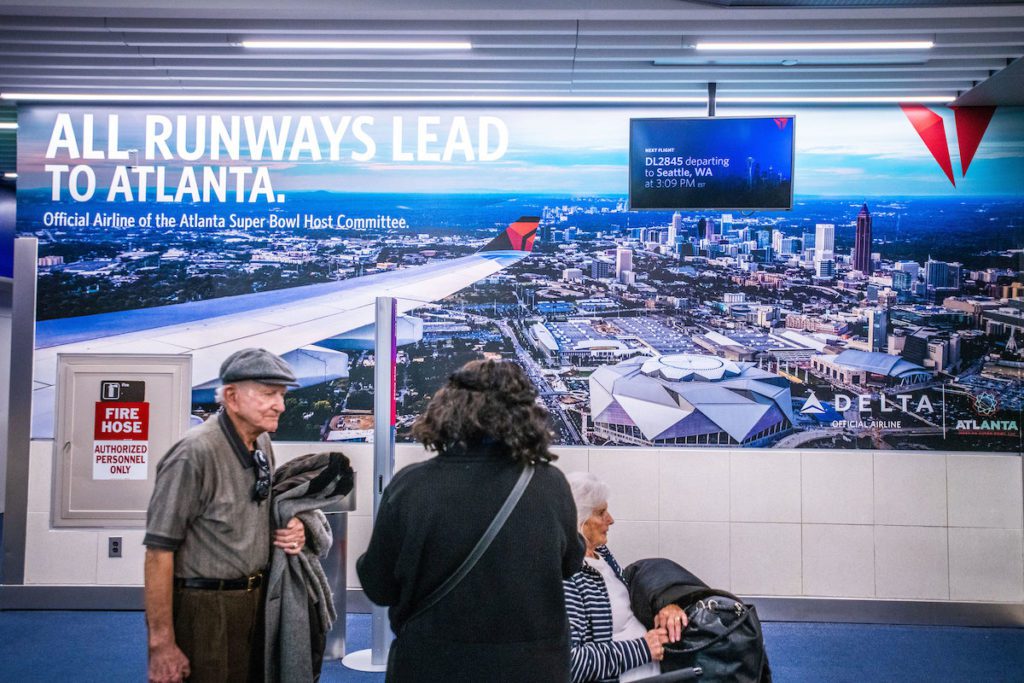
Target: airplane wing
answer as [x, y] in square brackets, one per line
[280, 321]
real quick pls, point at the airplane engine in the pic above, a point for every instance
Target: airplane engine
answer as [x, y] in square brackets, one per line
[408, 330]
[312, 365]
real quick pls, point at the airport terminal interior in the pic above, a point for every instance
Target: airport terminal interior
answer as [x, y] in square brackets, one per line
[762, 262]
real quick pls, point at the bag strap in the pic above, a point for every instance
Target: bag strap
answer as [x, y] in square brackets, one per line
[481, 546]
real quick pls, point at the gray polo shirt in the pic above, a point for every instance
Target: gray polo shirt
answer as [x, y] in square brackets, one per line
[202, 506]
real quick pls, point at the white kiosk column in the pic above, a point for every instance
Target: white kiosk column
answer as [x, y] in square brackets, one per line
[385, 355]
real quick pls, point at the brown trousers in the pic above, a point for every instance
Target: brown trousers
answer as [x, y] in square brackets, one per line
[221, 633]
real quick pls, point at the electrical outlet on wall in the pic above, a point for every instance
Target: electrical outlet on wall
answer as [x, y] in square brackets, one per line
[114, 546]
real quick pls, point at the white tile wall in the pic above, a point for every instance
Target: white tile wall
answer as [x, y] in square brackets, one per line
[407, 454]
[764, 486]
[58, 557]
[572, 459]
[765, 559]
[632, 541]
[40, 476]
[126, 570]
[910, 489]
[985, 564]
[359, 530]
[632, 475]
[911, 562]
[837, 488]
[985, 491]
[678, 504]
[694, 486]
[701, 547]
[838, 560]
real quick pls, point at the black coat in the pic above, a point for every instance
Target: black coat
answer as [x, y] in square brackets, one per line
[658, 582]
[506, 620]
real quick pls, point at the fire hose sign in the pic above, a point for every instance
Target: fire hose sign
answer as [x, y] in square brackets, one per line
[121, 440]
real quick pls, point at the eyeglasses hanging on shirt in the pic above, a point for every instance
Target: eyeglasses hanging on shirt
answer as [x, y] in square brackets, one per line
[261, 489]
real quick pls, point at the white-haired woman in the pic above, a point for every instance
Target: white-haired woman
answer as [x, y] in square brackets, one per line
[608, 643]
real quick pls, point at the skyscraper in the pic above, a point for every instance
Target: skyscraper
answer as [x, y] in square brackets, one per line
[726, 223]
[862, 243]
[709, 232]
[939, 274]
[824, 241]
[623, 260]
[878, 329]
[675, 229]
[825, 268]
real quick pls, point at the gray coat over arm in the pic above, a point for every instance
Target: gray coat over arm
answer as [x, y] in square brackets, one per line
[297, 587]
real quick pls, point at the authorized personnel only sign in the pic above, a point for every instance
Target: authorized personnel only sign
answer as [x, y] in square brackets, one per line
[121, 440]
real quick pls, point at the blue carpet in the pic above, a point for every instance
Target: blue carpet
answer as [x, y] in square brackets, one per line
[111, 646]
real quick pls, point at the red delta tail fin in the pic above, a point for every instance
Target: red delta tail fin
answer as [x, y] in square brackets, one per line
[517, 236]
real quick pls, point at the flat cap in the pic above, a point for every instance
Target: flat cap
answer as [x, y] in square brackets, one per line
[257, 365]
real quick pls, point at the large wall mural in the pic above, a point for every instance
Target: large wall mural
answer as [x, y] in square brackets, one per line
[884, 311]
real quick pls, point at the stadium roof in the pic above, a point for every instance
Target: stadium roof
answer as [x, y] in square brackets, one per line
[878, 363]
[680, 394]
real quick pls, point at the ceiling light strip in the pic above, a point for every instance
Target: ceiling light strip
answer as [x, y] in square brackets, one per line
[384, 99]
[356, 45]
[834, 99]
[817, 45]
[470, 99]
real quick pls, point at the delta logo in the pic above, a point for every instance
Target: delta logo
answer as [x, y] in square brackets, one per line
[812, 406]
[865, 403]
[971, 124]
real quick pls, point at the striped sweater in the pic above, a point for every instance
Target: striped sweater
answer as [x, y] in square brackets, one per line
[596, 658]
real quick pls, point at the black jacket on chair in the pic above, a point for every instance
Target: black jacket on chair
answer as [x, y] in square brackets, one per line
[658, 582]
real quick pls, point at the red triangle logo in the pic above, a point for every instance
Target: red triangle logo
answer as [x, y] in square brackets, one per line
[971, 124]
[781, 123]
[932, 130]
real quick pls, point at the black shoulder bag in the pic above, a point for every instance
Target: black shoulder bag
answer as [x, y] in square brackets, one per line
[480, 547]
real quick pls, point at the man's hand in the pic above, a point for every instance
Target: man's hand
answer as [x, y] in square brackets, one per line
[673, 619]
[167, 664]
[292, 537]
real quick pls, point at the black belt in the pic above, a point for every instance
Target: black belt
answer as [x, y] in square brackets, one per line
[247, 583]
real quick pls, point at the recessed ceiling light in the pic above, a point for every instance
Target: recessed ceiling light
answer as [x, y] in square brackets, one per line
[820, 45]
[470, 99]
[10, 175]
[8, 125]
[356, 45]
[835, 99]
[367, 99]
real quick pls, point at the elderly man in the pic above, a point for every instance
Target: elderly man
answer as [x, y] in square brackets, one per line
[208, 531]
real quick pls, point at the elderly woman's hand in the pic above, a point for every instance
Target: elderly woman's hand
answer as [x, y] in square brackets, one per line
[673, 619]
[656, 638]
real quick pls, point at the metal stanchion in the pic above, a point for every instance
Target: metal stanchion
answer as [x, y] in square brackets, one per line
[385, 353]
[335, 569]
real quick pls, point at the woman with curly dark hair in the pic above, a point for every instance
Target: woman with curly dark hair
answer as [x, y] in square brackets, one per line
[505, 619]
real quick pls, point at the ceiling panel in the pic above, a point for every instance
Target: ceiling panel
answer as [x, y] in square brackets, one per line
[124, 47]
[580, 48]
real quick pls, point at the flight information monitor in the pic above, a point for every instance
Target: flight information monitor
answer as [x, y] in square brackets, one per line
[711, 163]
